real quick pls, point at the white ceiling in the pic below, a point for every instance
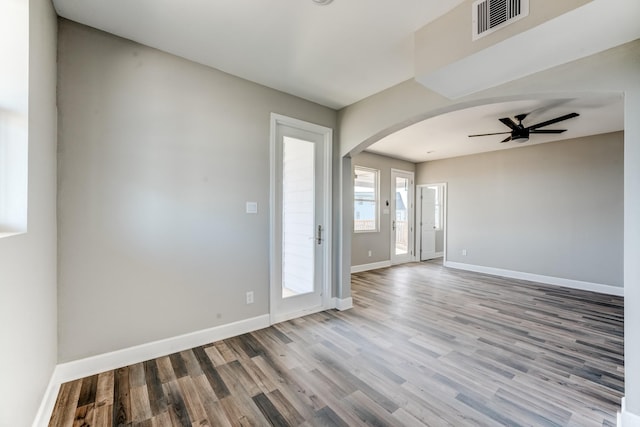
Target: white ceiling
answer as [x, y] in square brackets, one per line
[447, 135]
[334, 55]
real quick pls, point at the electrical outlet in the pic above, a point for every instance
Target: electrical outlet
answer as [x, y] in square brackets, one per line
[250, 297]
[464, 252]
[369, 253]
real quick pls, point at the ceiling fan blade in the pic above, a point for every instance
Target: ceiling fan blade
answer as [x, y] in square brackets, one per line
[505, 140]
[547, 130]
[487, 134]
[552, 121]
[510, 123]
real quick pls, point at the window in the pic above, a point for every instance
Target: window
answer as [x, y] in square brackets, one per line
[437, 204]
[14, 116]
[365, 201]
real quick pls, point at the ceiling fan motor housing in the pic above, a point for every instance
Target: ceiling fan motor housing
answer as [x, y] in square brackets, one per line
[520, 135]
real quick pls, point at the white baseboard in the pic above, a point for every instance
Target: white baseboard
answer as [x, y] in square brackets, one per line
[373, 266]
[626, 418]
[65, 372]
[549, 280]
[104, 362]
[343, 304]
[48, 402]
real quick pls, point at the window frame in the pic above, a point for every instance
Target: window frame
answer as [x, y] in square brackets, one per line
[376, 198]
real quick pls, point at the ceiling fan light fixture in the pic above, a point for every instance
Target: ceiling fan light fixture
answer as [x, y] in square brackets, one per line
[520, 138]
[322, 2]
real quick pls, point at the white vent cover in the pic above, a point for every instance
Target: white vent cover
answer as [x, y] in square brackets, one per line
[491, 15]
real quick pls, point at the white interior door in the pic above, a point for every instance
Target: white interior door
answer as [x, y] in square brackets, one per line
[401, 199]
[300, 218]
[428, 201]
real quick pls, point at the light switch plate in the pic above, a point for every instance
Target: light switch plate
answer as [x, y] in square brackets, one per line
[252, 207]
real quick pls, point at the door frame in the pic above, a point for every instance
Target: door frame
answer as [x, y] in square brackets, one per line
[444, 217]
[274, 256]
[412, 217]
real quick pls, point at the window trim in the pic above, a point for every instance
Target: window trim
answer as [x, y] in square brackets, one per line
[376, 199]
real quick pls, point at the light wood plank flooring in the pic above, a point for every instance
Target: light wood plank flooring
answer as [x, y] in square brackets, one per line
[424, 345]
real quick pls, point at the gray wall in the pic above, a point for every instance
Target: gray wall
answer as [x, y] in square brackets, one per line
[553, 209]
[28, 261]
[157, 158]
[379, 243]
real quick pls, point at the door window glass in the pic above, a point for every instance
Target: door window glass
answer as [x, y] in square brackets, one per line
[298, 217]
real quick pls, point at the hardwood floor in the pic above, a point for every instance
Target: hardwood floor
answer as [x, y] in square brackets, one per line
[424, 345]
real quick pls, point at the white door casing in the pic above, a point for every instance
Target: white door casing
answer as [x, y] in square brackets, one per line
[300, 218]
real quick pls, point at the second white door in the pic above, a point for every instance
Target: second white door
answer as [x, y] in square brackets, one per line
[428, 203]
[401, 202]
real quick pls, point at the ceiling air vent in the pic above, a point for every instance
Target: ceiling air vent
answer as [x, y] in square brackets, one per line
[491, 15]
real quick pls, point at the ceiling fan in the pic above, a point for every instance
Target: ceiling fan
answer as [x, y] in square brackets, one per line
[520, 132]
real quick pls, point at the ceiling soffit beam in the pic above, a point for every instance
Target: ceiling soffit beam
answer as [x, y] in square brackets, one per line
[584, 31]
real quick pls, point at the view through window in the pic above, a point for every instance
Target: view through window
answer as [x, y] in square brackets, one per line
[365, 191]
